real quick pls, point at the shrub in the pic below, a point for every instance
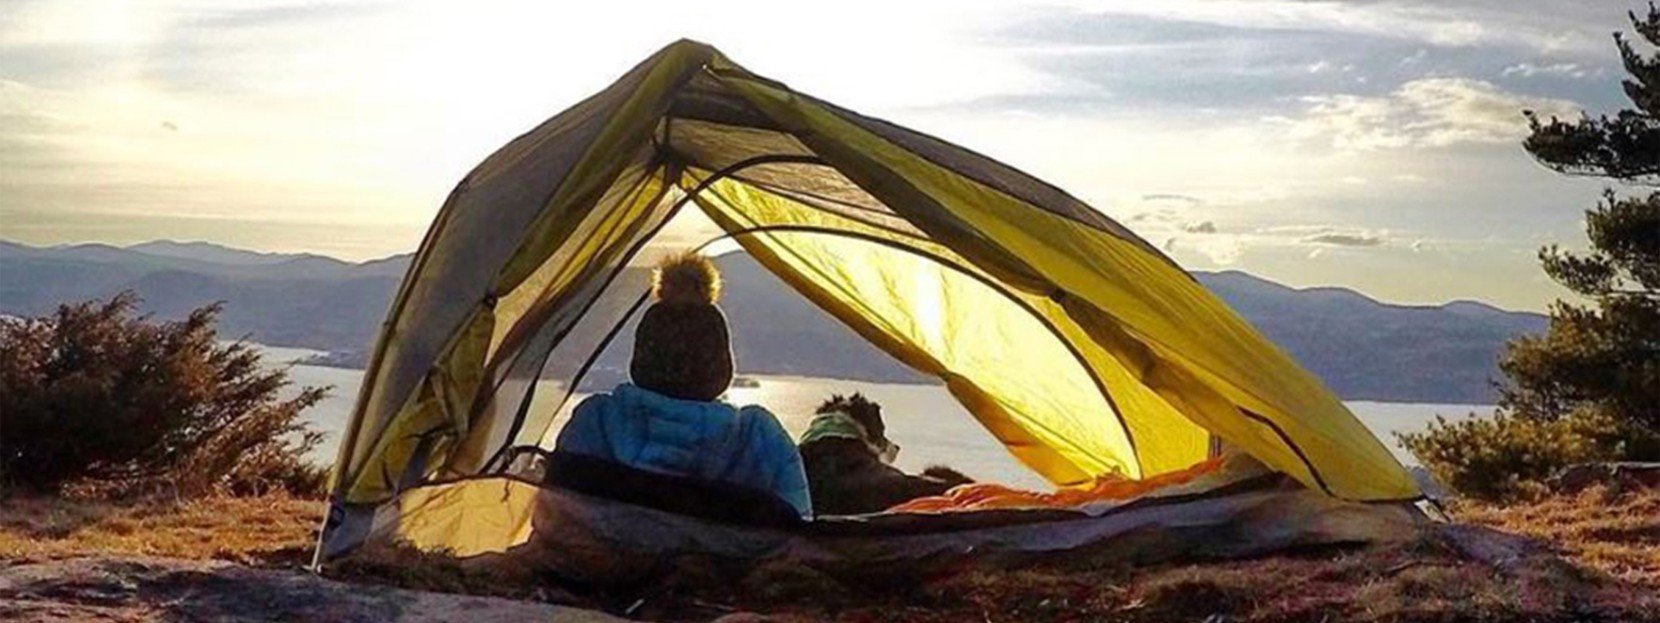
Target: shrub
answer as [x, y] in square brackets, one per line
[95, 395]
[1512, 454]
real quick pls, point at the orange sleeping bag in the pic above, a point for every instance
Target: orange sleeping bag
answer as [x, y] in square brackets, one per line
[988, 496]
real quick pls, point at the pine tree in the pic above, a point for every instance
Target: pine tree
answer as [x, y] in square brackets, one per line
[1600, 358]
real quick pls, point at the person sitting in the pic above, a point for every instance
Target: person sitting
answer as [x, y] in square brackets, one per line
[670, 420]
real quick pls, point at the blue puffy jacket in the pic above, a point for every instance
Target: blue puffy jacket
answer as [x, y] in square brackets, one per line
[707, 440]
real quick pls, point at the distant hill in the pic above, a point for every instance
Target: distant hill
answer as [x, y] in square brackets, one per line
[212, 253]
[1363, 349]
[306, 301]
[1367, 350]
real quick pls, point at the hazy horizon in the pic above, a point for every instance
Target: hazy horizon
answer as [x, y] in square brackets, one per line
[411, 252]
[1368, 145]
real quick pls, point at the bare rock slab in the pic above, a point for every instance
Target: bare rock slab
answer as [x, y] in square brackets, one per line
[134, 589]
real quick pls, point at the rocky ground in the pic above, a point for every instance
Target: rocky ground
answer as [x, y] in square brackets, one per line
[1592, 555]
[124, 588]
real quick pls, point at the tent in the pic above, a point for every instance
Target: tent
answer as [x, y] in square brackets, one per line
[1078, 345]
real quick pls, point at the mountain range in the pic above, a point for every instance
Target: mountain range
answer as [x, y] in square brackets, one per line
[1362, 348]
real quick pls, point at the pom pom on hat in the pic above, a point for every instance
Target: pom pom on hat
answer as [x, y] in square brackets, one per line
[686, 278]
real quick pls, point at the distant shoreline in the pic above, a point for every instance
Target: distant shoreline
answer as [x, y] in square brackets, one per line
[358, 360]
[347, 360]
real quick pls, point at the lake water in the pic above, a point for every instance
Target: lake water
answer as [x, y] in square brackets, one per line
[924, 420]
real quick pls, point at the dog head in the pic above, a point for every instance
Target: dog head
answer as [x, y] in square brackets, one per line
[868, 414]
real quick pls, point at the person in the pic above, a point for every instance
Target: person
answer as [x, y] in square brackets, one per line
[670, 418]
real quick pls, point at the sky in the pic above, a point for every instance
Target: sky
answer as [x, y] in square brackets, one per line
[1371, 144]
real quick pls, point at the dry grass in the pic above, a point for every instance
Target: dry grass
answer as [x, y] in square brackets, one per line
[1424, 581]
[1609, 532]
[267, 530]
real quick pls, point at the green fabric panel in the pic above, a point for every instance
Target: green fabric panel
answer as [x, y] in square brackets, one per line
[622, 218]
[631, 128]
[459, 368]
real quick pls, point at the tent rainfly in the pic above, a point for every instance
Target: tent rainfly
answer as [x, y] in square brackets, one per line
[1075, 343]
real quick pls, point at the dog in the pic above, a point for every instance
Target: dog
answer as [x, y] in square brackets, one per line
[848, 456]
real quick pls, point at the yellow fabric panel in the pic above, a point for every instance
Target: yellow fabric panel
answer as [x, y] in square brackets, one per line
[1157, 304]
[1010, 370]
[466, 517]
[1165, 309]
[1164, 439]
[1186, 394]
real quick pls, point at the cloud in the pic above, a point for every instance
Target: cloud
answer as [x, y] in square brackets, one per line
[1344, 239]
[1171, 220]
[218, 18]
[1174, 198]
[1566, 70]
[1428, 112]
[1327, 235]
[1223, 250]
[1296, 230]
[1550, 26]
[1200, 227]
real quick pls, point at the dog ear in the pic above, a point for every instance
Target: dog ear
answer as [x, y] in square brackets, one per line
[833, 404]
[869, 414]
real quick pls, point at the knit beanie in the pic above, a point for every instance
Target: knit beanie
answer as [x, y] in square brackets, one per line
[682, 348]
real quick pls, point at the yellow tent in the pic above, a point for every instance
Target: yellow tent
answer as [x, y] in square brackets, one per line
[1074, 342]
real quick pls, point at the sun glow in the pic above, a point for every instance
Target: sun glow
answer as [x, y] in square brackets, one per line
[123, 122]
